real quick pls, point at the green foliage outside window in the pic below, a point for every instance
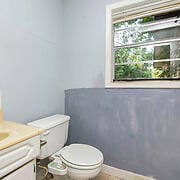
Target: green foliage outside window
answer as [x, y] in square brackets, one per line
[129, 60]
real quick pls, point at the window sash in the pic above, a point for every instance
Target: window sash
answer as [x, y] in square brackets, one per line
[151, 8]
[111, 17]
[159, 42]
[146, 79]
[147, 61]
[152, 26]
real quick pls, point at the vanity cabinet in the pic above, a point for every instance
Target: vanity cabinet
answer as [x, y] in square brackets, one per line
[18, 161]
[25, 172]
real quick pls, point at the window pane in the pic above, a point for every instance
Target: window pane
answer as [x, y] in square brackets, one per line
[134, 54]
[148, 48]
[147, 29]
[148, 61]
[150, 70]
[133, 71]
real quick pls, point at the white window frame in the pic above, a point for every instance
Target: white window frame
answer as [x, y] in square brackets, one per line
[109, 64]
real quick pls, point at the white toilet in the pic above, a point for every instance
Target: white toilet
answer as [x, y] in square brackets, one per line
[79, 161]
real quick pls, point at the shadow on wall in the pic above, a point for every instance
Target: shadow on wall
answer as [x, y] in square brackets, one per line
[99, 81]
[136, 129]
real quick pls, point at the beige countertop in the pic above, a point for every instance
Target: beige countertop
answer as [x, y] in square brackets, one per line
[17, 133]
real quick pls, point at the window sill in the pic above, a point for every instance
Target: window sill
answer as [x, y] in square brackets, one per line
[145, 84]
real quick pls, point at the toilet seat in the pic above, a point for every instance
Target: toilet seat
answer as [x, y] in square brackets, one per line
[80, 156]
[74, 166]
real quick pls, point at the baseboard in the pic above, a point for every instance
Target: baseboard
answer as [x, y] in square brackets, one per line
[127, 175]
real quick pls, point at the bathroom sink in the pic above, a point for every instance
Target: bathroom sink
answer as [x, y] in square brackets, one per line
[12, 133]
[3, 135]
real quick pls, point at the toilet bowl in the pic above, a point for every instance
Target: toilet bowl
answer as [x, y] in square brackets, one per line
[78, 161]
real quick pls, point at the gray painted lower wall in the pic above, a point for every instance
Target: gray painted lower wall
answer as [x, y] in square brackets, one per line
[136, 129]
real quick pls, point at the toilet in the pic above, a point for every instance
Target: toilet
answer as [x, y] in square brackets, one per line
[78, 161]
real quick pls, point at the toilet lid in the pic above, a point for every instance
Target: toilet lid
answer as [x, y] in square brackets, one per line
[82, 155]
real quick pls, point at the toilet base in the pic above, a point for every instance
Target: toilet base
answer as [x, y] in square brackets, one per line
[87, 174]
[75, 174]
[59, 168]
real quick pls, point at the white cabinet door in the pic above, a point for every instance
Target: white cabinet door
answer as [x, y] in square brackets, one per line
[26, 172]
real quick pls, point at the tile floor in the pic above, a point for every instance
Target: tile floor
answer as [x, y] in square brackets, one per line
[41, 172]
[101, 176]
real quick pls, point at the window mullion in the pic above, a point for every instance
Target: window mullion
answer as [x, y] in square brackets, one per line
[147, 43]
[149, 61]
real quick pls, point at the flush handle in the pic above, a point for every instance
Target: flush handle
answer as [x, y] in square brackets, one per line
[42, 142]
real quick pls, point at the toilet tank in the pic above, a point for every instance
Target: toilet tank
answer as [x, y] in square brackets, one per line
[55, 133]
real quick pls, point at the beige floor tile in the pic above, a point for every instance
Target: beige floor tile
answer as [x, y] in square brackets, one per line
[101, 176]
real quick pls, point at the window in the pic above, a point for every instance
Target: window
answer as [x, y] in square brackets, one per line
[143, 44]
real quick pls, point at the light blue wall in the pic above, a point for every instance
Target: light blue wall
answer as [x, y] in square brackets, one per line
[31, 63]
[84, 42]
[44, 51]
